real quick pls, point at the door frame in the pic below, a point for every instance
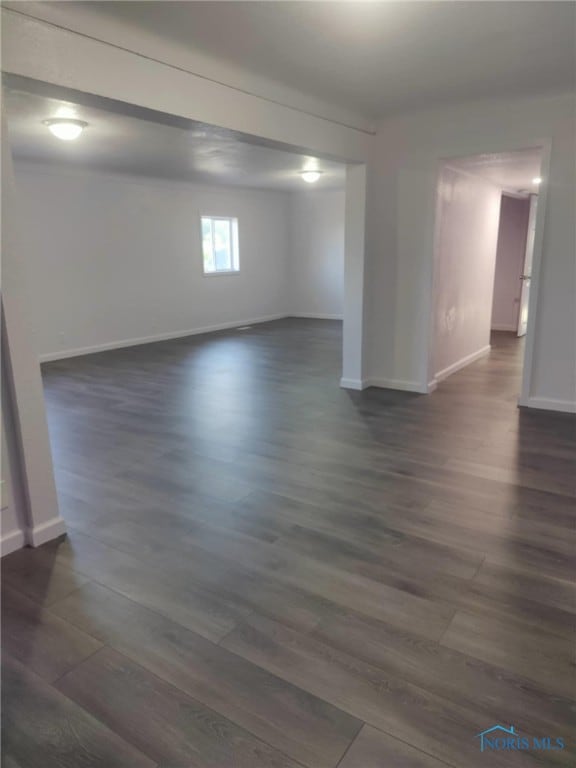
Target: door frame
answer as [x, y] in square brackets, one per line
[525, 290]
[545, 144]
[55, 57]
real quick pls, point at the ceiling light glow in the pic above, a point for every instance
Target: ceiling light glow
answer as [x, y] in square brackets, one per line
[64, 128]
[537, 180]
[311, 176]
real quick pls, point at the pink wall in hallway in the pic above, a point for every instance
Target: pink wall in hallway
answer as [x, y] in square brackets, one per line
[514, 213]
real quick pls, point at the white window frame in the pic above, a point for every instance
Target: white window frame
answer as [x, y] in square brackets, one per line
[233, 221]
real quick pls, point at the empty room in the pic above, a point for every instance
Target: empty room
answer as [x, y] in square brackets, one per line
[288, 384]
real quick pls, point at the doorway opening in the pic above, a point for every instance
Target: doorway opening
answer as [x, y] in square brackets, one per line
[127, 282]
[484, 247]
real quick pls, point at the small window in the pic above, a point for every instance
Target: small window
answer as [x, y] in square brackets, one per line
[220, 245]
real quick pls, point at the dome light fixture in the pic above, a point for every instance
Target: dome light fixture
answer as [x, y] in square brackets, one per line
[65, 128]
[311, 176]
[537, 180]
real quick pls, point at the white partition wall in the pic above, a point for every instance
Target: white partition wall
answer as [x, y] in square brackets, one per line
[22, 379]
[12, 510]
[353, 362]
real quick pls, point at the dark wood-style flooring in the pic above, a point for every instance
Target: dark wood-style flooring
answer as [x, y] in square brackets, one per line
[266, 571]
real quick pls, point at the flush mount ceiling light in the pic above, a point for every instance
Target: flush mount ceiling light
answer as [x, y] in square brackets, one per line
[537, 180]
[311, 176]
[65, 128]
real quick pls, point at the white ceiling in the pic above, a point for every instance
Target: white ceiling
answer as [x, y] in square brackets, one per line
[511, 171]
[373, 57]
[123, 144]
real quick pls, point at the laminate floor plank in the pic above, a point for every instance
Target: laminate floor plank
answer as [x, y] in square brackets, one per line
[540, 602]
[395, 602]
[507, 579]
[175, 596]
[419, 716]
[42, 728]
[374, 749]
[288, 718]
[161, 721]
[249, 540]
[43, 642]
[249, 589]
[41, 579]
[546, 658]
[398, 600]
[467, 681]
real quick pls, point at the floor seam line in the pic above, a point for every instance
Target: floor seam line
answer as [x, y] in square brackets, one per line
[75, 667]
[353, 741]
[174, 685]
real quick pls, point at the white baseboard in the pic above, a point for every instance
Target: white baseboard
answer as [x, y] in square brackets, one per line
[462, 363]
[65, 353]
[404, 386]
[12, 541]
[47, 531]
[313, 316]
[548, 404]
[357, 384]
[498, 327]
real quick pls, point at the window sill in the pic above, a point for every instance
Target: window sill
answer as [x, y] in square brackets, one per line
[221, 273]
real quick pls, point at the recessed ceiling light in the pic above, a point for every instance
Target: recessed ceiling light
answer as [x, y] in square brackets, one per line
[537, 180]
[64, 128]
[311, 176]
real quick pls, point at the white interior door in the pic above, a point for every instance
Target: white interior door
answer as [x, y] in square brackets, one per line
[526, 276]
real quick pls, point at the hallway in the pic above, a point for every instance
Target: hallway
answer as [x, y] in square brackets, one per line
[266, 571]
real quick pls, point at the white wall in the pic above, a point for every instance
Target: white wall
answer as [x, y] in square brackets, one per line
[316, 264]
[510, 254]
[116, 259]
[465, 259]
[408, 153]
[12, 510]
